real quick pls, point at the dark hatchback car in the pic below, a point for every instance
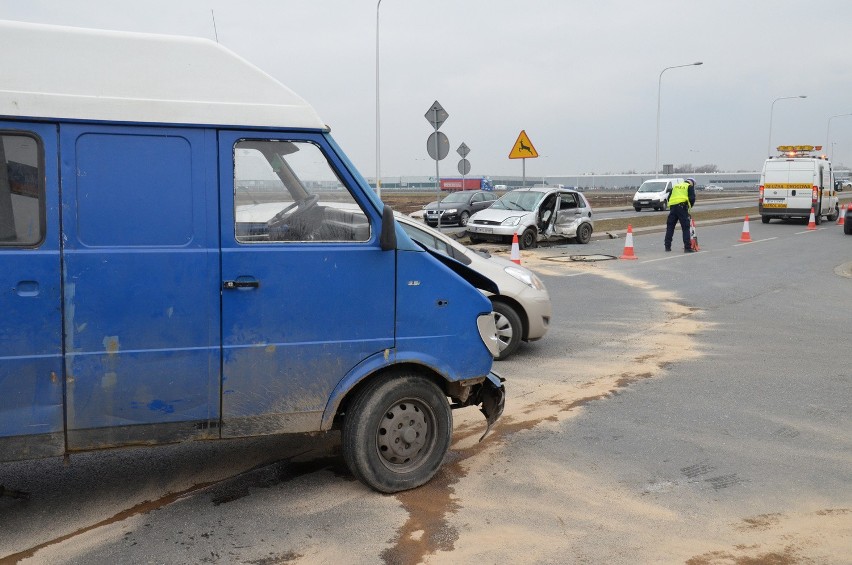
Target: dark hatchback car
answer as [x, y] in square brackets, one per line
[458, 207]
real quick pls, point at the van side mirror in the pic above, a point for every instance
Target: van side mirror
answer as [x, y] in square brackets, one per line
[387, 238]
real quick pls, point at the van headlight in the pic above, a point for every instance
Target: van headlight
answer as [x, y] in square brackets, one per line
[513, 221]
[525, 276]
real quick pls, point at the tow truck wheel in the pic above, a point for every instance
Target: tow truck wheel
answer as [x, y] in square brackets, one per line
[396, 432]
[834, 215]
[764, 219]
[817, 218]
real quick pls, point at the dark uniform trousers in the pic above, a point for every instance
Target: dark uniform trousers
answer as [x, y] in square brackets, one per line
[678, 213]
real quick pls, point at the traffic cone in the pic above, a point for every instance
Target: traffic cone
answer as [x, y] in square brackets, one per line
[746, 236]
[628, 244]
[842, 219]
[694, 238]
[812, 221]
[516, 250]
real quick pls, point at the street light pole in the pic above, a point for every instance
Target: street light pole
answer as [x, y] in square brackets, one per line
[659, 87]
[828, 133]
[771, 110]
[378, 130]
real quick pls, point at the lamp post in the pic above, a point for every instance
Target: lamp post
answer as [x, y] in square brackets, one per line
[828, 133]
[659, 87]
[378, 131]
[772, 109]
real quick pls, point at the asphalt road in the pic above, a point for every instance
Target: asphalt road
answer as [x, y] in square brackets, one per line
[683, 408]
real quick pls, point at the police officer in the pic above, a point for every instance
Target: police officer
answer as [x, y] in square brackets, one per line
[681, 201]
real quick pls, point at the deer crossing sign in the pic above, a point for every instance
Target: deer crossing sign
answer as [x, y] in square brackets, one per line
[523, 148]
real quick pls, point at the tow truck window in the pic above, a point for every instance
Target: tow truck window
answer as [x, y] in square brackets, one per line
[21, 190]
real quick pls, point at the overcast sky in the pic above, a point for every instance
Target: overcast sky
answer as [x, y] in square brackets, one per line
[581, 78]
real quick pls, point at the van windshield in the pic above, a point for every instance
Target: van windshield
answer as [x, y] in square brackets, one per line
[653, 186]
[518, 200]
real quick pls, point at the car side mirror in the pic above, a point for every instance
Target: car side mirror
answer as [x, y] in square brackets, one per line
[387, 237]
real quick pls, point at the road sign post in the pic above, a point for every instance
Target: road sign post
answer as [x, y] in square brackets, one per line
[438, 146]
[464, 164]
[523, 149]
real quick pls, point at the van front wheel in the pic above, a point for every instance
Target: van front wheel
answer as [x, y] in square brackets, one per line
[396, 432]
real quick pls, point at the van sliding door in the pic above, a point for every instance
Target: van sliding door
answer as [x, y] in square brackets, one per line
[141, 290]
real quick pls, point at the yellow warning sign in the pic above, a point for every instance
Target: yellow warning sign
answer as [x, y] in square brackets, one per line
[523, 148]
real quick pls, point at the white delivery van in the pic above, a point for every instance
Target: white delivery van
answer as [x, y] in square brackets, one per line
[795, 182]
[654, 194]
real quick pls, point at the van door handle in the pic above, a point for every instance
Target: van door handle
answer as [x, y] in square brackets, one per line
[231, 285]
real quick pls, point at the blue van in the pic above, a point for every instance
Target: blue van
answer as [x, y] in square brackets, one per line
[186, 254]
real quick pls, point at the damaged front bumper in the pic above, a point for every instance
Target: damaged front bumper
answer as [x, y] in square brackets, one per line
[490, 393]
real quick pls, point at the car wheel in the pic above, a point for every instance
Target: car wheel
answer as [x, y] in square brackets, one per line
[509, 329]
[474, 239]
[584, 233]
[764, 219]
[463, 217]
[528, 239]
[396, 432]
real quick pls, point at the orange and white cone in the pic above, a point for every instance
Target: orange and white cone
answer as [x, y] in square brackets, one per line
[516, 250]
[746, 236]
[812, 221]
[628, 244]
[842, 219]
[693, 236]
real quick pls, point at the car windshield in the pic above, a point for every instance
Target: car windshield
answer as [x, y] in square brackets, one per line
[653, 186]
[518, 200]
[455, 198]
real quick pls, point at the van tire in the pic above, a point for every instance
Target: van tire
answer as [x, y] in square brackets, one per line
[528, 239]
[765, 219]
[396, 432]
[834, 215]
[637, 208]
[847, 227]
[817, 218]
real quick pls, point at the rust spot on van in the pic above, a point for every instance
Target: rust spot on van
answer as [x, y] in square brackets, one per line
[111, 344]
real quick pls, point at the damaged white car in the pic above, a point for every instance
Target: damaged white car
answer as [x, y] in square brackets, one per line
[536, 214]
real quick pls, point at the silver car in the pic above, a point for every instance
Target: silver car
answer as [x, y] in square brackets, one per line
[535, 214]
[522, 310]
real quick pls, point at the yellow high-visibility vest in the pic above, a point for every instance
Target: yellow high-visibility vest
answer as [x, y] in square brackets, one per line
[680, 194]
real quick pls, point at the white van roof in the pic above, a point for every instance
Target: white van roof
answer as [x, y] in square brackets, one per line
[63, 72]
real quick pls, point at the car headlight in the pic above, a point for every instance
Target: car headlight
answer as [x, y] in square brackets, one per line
[525, 276]
[514, 221]
[451, 210]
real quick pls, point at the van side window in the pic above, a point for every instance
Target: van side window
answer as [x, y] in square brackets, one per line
[21, 190]
[288, 191]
